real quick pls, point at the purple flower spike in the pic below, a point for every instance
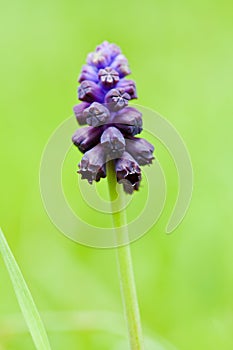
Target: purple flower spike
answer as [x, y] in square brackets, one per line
[128, 173]
[96, 114]
[105, 94]
[140, 149]
[117, 99]
[78, 111]
[92, 165]
[108, 76]
[89, 91]
[113, 142]
[129, 121]
[86, 138]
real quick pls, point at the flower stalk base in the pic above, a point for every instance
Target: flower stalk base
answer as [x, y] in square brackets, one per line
[124, 260]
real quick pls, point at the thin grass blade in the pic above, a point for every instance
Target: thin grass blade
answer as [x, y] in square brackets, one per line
[25, 300]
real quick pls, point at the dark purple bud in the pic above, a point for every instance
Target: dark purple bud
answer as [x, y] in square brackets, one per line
[129, 121]
[89, 73]
[78, 111]
[99, 59]
[120, 64]
[103, 46]
[140, 149]
[128, 172]
[89, 91]
[129, 87]
[96, 114]
[108, 76]
[113, 142]
[113, 49]
[92, 165]
[117, 99]
[87, 137]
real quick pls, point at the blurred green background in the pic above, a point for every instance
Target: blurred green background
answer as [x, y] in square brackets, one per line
[180, 53]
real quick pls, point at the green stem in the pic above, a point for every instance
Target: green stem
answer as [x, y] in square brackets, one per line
[126, 274]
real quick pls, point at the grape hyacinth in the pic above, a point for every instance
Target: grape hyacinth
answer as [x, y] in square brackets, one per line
[112, 124]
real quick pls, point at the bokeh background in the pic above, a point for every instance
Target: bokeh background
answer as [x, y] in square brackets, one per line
[180, 53]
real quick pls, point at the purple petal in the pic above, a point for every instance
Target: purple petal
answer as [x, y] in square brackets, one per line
[108, 77]
[140, 149]
[96, 114]
[113, 49]
[99, 59]
[128, 173]
[86, 138]
[78, 111]
[92, 165]
[89, 91]
[113, 142]
[89, 73]
[117, 99]
[120, 64]
[129, 121]
[129, 87]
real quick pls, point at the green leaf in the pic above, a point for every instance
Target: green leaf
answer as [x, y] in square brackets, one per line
[26, 303]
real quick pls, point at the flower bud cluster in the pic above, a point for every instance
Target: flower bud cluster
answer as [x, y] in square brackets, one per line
[112, 124]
